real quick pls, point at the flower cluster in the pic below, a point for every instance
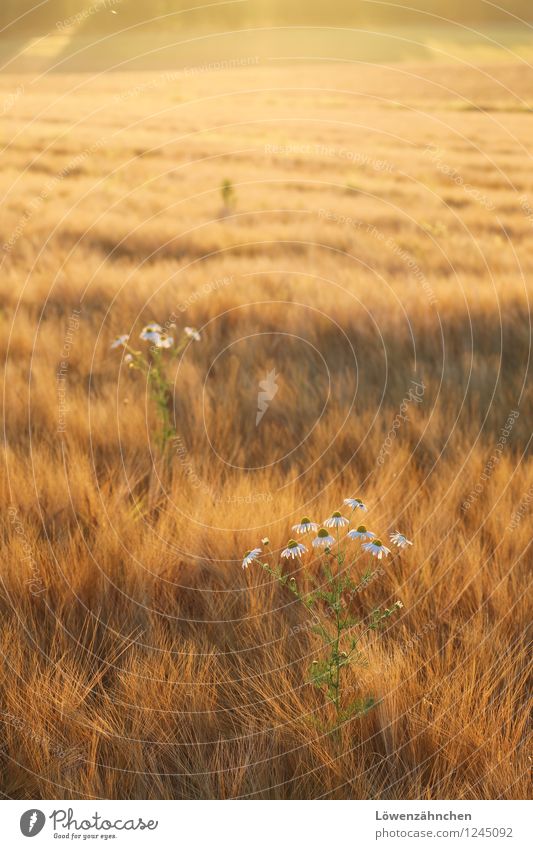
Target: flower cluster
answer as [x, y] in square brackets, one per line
[323, 539]
[152, 364]
[155, 334]
[329, 596]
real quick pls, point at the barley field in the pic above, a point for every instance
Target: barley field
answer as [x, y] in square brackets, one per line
[361, 233]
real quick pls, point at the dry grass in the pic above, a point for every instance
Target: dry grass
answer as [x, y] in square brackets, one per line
[139, 659]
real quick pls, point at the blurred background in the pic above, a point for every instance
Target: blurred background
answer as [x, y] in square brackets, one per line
[24, 15]
[146, 33]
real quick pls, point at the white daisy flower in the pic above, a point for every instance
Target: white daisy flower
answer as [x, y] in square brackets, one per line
[164, 341]
[250, 556]
[355, 504]
[305, 526]
[336, 520]
[399, 605]
[398, 539]
[128, 358]
[150, 336]
[376, 548]
[192, 333]
[323, 539]
[361, 533]
[151, 332]
[120, 341]
[294, 549]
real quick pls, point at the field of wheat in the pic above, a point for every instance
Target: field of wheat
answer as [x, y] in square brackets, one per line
[364, 233]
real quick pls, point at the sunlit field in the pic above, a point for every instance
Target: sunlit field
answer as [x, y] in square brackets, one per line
[364, 233]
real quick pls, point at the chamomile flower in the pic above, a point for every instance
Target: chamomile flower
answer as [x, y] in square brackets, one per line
[355, 504]
[360, 533]
[305, 526]
[250, 556]
[398, 539]
[294, 549]
[128, 358]
[151, 332]
[120, 341]
[323, 539]
[336, 520]
[376, 548]
[164, 341]
[192, 333]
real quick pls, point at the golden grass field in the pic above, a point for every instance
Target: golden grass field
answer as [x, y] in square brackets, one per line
[379, 234]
